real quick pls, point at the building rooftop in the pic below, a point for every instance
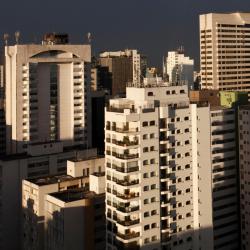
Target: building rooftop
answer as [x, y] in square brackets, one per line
[99, 174]
[48, 180]
[87, 158]
[245, 107]
[74, 195]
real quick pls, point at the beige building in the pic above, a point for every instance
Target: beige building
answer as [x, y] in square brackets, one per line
[244, 140]
[46, 95]
[80, 175]
[14, 169]
[225, 51]
[157, 191]
[75, 218]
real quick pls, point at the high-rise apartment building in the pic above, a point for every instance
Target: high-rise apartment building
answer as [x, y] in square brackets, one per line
[223, 161]
[225, 195]
[46, 94]
[179, 69]
[157, 192]
[244, 156]
[225, 51]
[120, 67]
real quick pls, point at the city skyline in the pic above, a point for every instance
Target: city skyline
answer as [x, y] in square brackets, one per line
[135, 25]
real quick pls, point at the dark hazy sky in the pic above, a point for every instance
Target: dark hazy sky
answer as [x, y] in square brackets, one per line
[152, 26]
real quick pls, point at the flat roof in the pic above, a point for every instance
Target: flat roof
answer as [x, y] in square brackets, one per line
[74, 195]
[52, 179]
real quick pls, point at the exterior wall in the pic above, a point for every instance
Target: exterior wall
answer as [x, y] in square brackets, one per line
[180, 69]
[79, 223]
[206, 95]
[224, 179]
[205, 196]
[244, 138]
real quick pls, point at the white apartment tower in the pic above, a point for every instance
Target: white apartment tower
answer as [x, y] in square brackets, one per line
[225, 51]
[157, 195]
[46, 94]
[179, 69]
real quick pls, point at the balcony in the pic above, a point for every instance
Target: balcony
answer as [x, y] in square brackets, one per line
[126, 209]
[129, 235]
[125, 156]
[128, 222]
[127, 196]
[126, 142]
[126, 182]
[126, 170]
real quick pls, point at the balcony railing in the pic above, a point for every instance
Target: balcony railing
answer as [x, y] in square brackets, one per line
[127, 196]
[128, 236]
[126, 209]
[128, 222]
[126, 170]
[125, 142]
[126, 182]
[125, 156]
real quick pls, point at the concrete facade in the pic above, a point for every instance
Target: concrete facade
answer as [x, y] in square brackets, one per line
[155, 198]
[179, 69]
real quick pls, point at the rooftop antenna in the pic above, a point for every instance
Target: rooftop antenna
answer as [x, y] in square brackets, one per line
[89, 37]
[17, 36]
[6, 37]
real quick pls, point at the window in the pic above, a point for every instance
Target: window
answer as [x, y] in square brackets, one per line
[150, 93]
[145, 162]
[186, 118]
[153, 225]
[145, 188]
[188, 190]
[152, 174]
[153, 199]
[152, 148]
[154, 238]
[146, 201]
[152, 161]
[146, 227]
[146, 214]
[144, 124]
[152, 123]
[153, 186]
[152, 136]
[168, 92]
[145, 175]
[153, 212]
[145, 149]
[188, 215]
[145, 137]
